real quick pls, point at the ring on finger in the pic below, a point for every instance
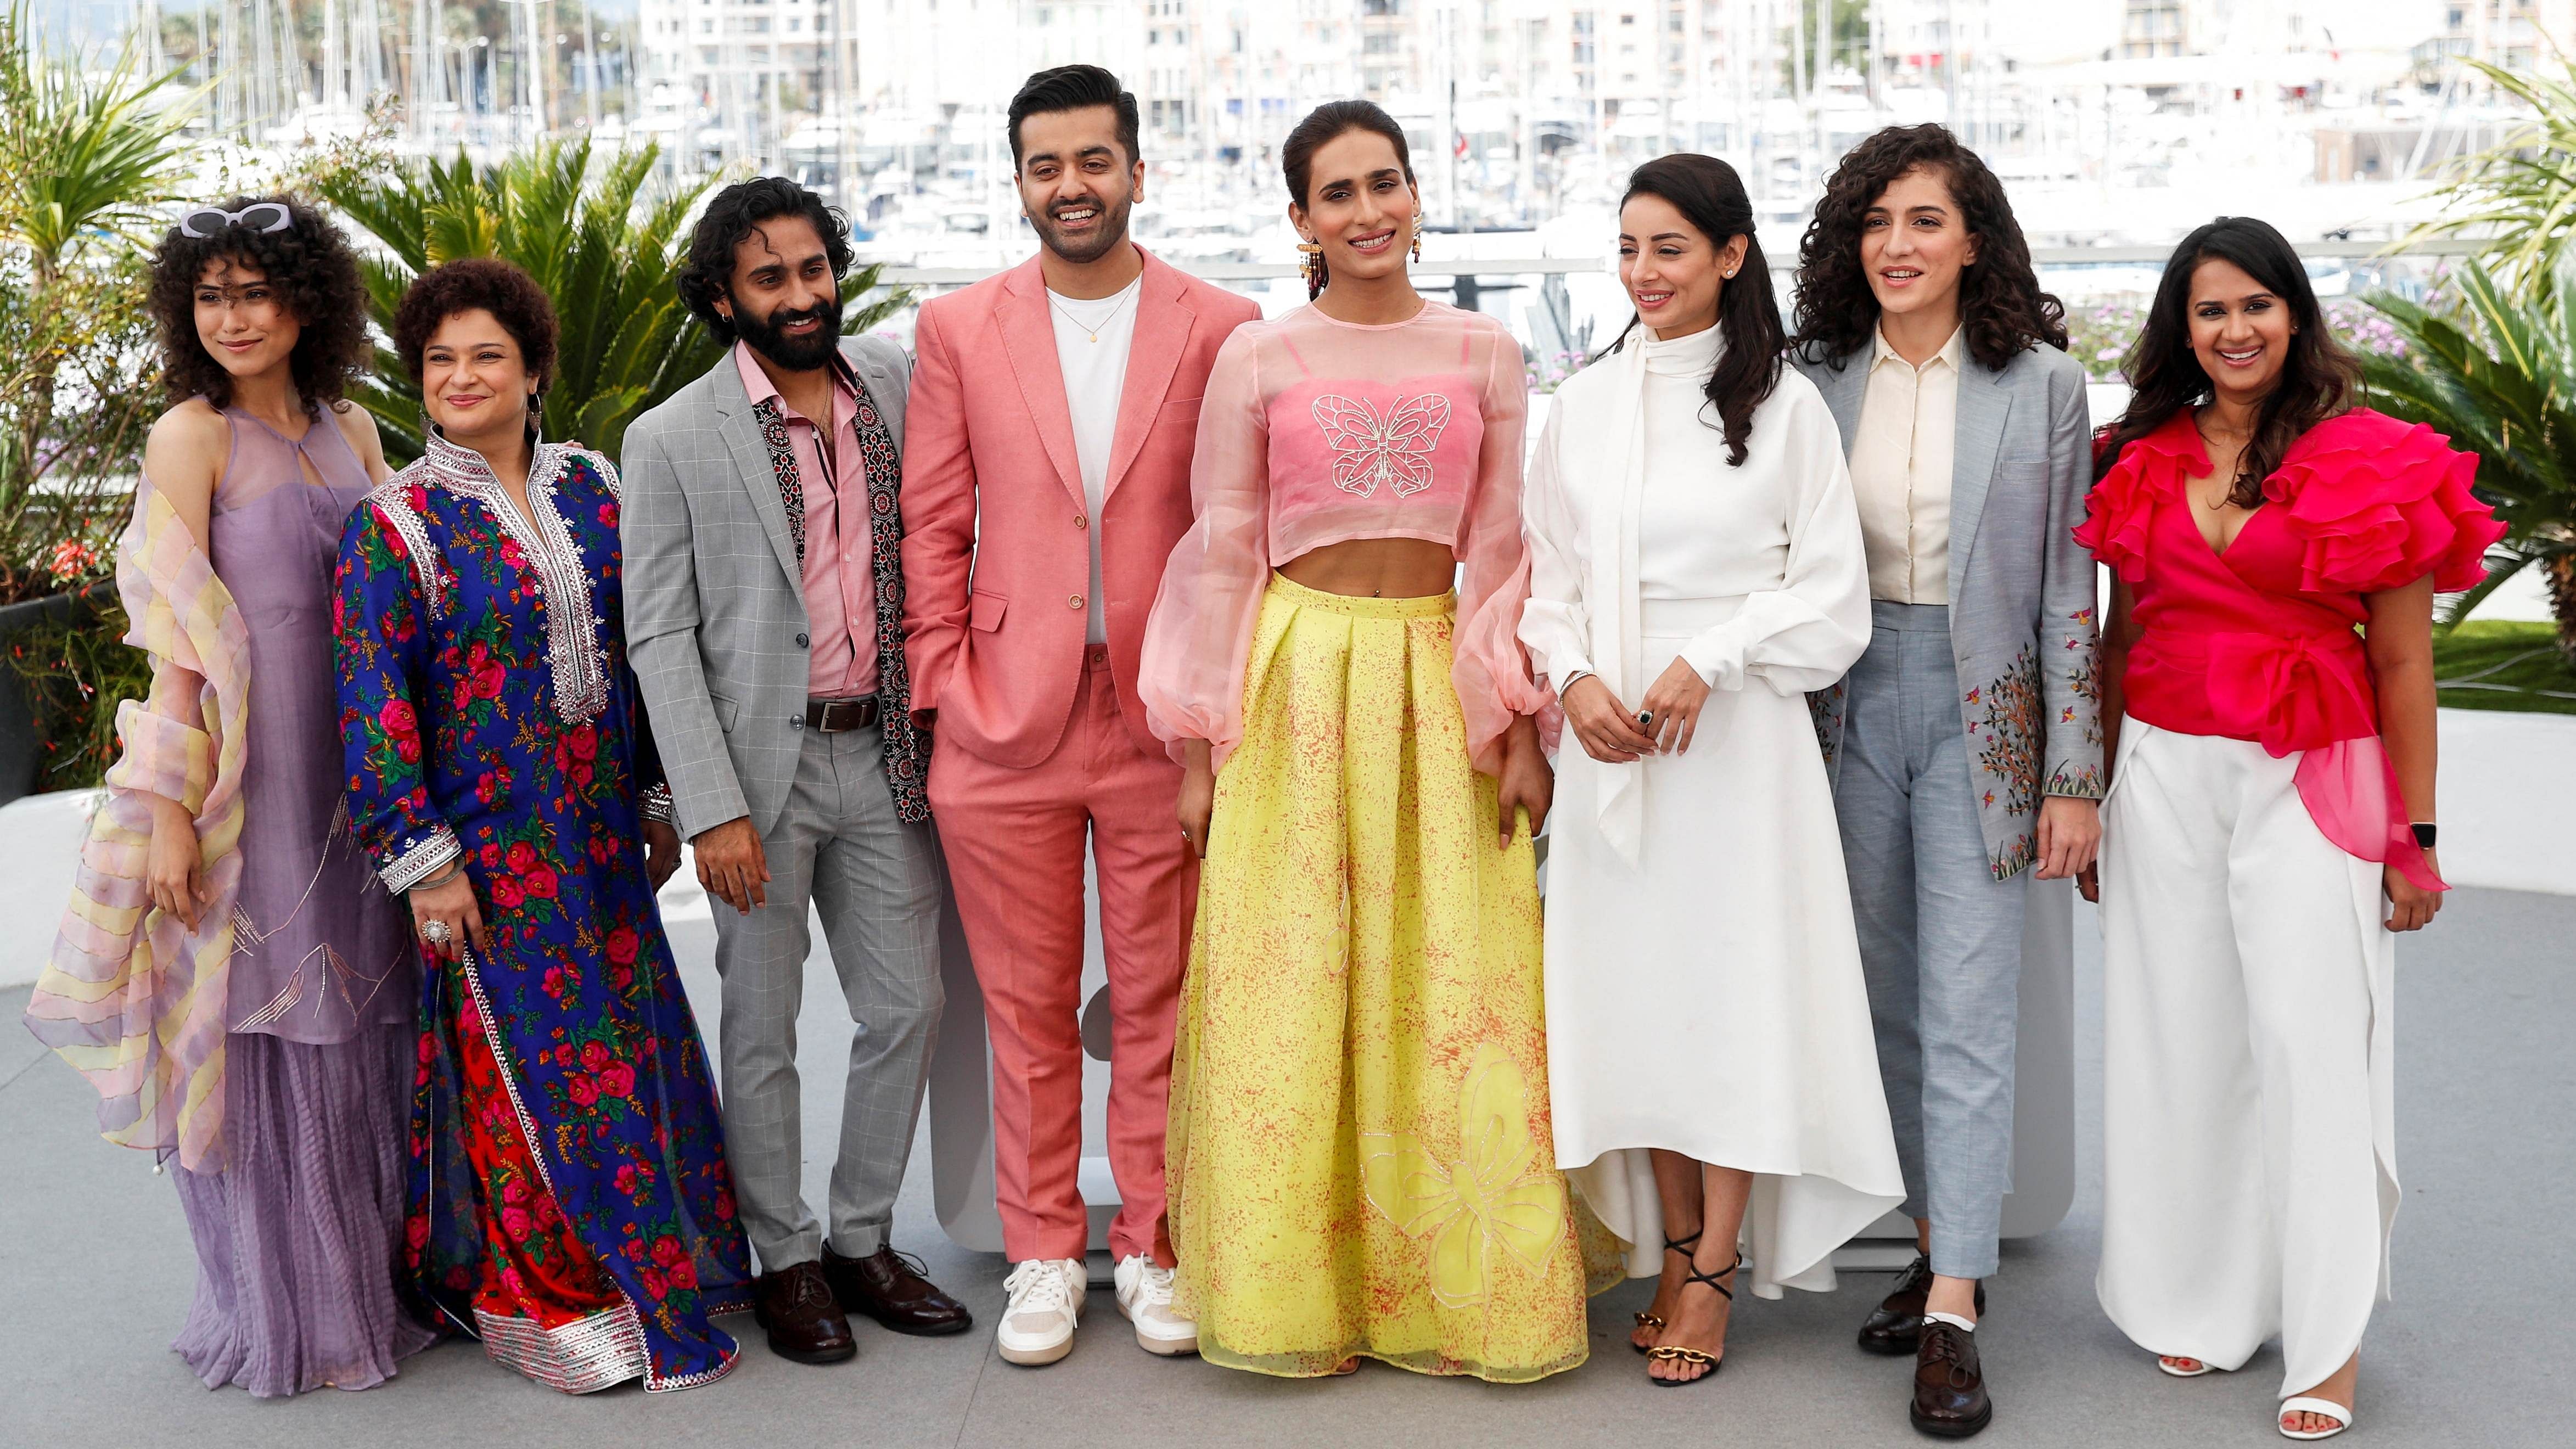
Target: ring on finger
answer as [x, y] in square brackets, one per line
[436, 932]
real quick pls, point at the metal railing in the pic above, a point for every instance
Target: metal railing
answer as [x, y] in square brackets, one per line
[1436, 266]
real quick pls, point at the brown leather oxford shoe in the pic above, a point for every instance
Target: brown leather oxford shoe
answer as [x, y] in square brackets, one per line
[795, 1305]
[1893, 1326]
[1950, 1399]
[890, 1287]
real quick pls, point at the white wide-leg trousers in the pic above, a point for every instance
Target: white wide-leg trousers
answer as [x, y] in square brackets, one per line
[2249, 1168]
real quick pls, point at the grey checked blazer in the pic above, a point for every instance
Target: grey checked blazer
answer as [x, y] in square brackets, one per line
[715, 598]
[2023, 626]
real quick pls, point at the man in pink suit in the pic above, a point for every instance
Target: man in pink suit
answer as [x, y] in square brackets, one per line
[1053, 414]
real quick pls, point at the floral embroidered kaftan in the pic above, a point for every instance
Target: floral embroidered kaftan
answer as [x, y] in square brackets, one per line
[570, 1203]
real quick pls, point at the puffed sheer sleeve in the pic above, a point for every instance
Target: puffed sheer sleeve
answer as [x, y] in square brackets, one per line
[1806, 633]
[1490, 669]
[1196, 640]
[379, 630]
[1556, 625]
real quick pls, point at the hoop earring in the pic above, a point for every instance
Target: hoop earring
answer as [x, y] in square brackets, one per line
[1417, 236]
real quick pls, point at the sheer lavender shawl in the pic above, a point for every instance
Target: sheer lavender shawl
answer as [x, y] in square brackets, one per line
[133, 999]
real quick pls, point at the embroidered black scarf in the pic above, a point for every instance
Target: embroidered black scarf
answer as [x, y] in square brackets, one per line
[907, 746]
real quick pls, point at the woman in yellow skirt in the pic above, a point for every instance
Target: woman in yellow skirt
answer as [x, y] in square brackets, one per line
[1359, 1153]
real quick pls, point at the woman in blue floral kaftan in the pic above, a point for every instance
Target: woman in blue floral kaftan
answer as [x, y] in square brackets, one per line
[569, 1204]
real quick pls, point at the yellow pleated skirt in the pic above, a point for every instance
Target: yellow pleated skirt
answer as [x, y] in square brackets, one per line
[1360, 1151]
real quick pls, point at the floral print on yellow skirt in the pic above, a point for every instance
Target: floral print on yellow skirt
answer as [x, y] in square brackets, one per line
[1360, 1158]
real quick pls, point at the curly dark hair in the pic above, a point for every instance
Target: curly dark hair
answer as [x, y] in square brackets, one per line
[1325, 123]
[489, 284]
[1710, 196]
[708, 273]
[315, 274]
[2319, 378]
[2000, 304]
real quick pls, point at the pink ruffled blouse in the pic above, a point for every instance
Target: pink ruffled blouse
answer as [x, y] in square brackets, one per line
[1314, 432]
[2257, 642]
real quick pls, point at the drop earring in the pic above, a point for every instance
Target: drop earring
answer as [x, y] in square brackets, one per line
[1309, 254]
[1417, 236]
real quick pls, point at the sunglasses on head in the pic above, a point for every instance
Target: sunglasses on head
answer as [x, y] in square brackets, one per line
[259, 216]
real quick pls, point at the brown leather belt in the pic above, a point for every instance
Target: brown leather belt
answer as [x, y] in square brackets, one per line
[834, 716]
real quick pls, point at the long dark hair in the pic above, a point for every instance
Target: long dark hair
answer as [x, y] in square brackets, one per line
[2318, 377]
[314, 272]
[1710, 196]
[1322, 124]
[2001, 307]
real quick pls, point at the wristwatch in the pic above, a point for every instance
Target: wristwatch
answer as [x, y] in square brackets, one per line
[2423, 834]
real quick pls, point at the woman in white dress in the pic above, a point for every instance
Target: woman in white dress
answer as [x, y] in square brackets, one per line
[1696, 567]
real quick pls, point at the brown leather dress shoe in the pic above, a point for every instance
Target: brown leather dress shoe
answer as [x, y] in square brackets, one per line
[890, 1287]
[1894, 1325]
[795, 1305]
[1949, 1385]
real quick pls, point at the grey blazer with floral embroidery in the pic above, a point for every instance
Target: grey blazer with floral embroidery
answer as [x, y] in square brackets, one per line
[2022, 591]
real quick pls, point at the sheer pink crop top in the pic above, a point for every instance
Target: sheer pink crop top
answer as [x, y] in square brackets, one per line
[1315, 432]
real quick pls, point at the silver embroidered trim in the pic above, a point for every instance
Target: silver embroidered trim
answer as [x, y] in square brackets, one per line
[416, 864]
[656, 804]
[392, 502]
[582, 1357]
[625, 1314]
[573, 652]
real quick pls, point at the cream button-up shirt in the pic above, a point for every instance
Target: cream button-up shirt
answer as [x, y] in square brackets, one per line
[1900, 469]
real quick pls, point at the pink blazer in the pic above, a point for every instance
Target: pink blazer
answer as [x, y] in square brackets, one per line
[995, 558]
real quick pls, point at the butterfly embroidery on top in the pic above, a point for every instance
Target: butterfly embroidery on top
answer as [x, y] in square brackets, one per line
[1396, 451]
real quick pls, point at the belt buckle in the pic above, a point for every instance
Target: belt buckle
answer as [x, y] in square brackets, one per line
[843, 715]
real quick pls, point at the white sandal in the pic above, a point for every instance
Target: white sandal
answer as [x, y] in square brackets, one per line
[2325, 1408]
[2205, 1367]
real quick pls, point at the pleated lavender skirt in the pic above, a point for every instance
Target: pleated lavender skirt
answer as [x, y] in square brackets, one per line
[298, 1239]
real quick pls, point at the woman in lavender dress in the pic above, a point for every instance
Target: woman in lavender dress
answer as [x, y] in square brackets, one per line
[276, 968]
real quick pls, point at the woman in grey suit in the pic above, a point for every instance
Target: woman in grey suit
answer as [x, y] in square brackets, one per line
[1966, 745]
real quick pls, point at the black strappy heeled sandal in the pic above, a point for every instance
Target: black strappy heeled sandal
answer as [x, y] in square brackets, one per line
[1649, 1320]
[1674, 1353]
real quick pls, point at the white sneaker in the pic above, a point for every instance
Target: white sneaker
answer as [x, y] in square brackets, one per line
[1145, 1296]
[1045, 1304]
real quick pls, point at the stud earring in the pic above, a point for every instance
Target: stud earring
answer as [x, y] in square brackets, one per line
[1309, 255]
[1417, 236]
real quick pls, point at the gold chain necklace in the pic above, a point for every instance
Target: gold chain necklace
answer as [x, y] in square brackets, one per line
[1089, 332]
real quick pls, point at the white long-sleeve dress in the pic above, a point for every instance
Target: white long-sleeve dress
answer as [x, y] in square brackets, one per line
[1704, 990]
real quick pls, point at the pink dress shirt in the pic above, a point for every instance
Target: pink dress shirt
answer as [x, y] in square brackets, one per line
[840, 590]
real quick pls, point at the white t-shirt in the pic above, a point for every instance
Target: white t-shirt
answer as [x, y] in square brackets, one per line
[1091, 342]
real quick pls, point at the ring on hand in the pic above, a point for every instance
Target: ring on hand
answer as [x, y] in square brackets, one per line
[1645, 719]
[435, 932]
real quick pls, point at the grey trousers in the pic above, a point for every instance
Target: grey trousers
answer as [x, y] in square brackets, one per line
[876, 883]
[1940, 938]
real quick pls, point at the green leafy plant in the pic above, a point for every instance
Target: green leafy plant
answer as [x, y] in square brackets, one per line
[2495, 368]
[88, 156]
[76, 670]
[2518, 196]
[582, 226]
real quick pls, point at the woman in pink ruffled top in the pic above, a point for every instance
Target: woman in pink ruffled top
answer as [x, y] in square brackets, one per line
[2268, 682]
[1358, 1154]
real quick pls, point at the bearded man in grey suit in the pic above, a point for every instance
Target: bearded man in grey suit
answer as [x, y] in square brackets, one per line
[764, 608]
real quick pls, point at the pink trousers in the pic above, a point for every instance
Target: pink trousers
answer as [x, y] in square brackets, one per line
[1014, 842]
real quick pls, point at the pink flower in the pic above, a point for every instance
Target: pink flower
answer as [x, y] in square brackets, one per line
[514, 1191]
[626, 1179]
[655, 1285]
[397, 717]
[593, 1056]
[667, 1250]
[585, 742]
[584, 1091]
[514, 1221]
[617, 1079]
[621, 945]
[554, 982]
[684, 1275]
[506, 893]
[541, 883]
[522, 857]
